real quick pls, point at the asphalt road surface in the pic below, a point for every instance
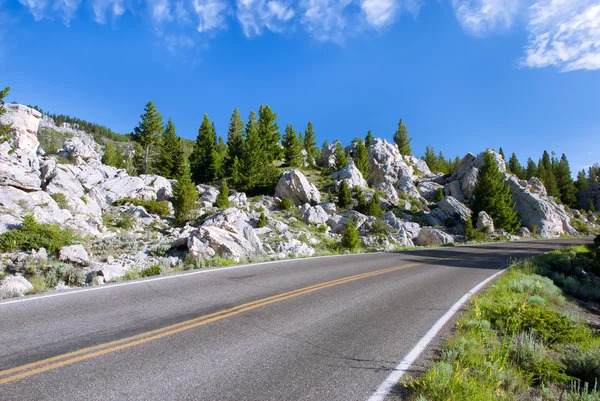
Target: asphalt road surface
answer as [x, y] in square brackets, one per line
[309, 329]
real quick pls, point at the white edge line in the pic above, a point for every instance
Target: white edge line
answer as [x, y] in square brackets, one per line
[384, 389]
[173, 276]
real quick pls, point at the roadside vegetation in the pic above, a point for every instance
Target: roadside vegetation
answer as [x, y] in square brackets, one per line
[533, 335]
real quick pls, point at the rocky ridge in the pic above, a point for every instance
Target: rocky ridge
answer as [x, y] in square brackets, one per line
[73, 189]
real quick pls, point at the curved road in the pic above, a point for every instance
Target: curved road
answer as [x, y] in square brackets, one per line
[313, 329]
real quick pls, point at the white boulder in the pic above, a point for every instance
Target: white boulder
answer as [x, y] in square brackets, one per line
[294, 185]
[74, 254]
[432, 236]
[14, 286]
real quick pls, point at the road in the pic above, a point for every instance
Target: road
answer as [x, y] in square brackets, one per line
[312, 329]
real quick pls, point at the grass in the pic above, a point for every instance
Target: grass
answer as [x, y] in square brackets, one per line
[61, 200]
[517, 342]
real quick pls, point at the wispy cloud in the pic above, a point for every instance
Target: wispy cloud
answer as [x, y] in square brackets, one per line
[212, 14]
[564, 34]
[254, 15]
[480, 17]
[114, 9]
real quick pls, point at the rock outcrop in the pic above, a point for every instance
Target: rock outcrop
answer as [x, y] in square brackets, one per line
[386, 163]
[432, 236]
[294, 185]
[352, 175]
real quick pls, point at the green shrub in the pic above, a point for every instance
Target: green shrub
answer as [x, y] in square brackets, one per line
[125, 221]
[380, 227]
[533, 356]
[151, 206]
[322, 228]
[153, 270]
[580, 226]
[287, 204]
[583, 361]
[470, 233]
[160, 250]
[61, 200]
[350, 238]
[439, 195]
[222, 201]
[55, 273]
[262, 220]
[34, 235]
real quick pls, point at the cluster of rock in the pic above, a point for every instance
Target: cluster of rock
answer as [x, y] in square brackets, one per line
[81, 193]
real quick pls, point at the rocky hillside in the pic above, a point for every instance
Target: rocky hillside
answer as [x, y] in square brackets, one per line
[124, 228]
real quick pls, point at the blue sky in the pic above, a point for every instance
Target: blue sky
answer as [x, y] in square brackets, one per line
[463, 74]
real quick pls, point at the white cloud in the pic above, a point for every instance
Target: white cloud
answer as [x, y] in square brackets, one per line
[211, 14]
[115, 8]
[67, 8]
[564, 34]
[254, 15]
[480, 17]
[159, 10]
[37, 8]
[327, 19]
[379, 13]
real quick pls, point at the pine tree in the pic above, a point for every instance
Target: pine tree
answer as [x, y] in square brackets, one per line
[203, 155]
[402, 140]
[171, 153]
[235, 138]
[257, 170]
[566, 186]
[4, 129]
[362, 158]
[310, 144]
[222, 201]
[218, 158]
[184, 194]
[236, 175]
[110, 156]
[501, 153]
[492, 195]
[546, 175]
[373, 208]
[531, 170]
[369, 139]
[341, 159]
[262, 220]
[344, 194]
[147, 134]
[350, 239]
[269, 133]
[292, 150]
[582, 181]
[430, 158]
[514, 166]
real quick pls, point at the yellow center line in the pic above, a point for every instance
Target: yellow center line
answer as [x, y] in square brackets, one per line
[44, 365]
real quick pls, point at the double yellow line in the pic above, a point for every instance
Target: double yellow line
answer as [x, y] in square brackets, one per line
[45, 365]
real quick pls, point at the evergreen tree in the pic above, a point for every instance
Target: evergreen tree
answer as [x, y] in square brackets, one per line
[218, 158]
[531, 170]
[341, 159]
[310, 144]
[362, 201]
[235, 138]
[501, 153]
[362, 158]
[402, 140]
[430, 158]
[594, 173]
[130, 157]
[344, 195]
[591, 207]
[373, 208]
[171, 152]
[255, 170]
[292, 150]
[566, 186]
[582, 181]
[514, 166]
[222, 201]
[350, 239]
[546, 175]
[262, 220]
[184, 194]
[236, 175]
[369, 139]
[147, 134]
[4, 129]
[269, 133]
[492, 195]
[203, 155]
[110, 156]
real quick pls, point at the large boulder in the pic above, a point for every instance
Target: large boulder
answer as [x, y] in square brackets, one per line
[316, 215]
[226, 243]
[469, 182]
[294, 185]
[338, 223]
[406, 186]
[419, 165]
[293, 247]
[453, 189]
[230, 217]
[25, 122]
[537, 213]
[74, 254]
[328, 155]
[429, 189]
[75, 148]
[432, 236]
[162, 186]
[485, 222]
[352, 175]
[451, 213]
[386, 163]
[14, 286]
